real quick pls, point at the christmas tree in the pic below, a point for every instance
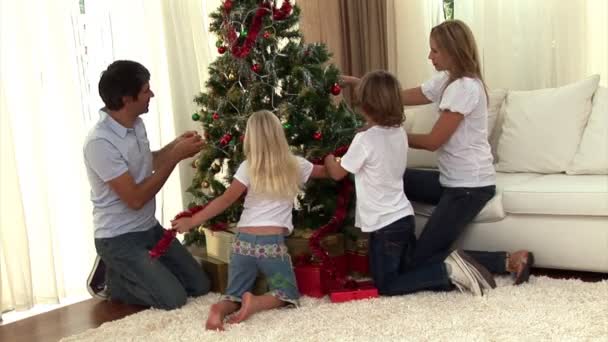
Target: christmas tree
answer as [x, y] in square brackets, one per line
[265, 64]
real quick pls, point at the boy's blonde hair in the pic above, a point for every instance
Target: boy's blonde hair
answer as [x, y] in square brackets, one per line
[379, 94]
[273, 170]
[456, 39]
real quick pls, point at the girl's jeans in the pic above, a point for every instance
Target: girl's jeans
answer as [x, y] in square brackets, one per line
[268, 255]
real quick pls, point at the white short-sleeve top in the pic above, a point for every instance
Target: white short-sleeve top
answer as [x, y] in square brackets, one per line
[465, 160]
[378, 157]
[260, 211]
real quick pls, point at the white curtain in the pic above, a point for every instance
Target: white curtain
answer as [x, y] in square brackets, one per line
[409, 25]
[51, 57]
[46, 241]
[530, 44]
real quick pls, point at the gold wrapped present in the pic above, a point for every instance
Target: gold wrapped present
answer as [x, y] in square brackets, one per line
[217, 271]
[299, 244]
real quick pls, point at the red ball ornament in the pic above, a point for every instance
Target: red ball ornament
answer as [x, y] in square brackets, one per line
[336, 89]
[216, 116]
[221, 50]
[317, 135]
[256, 68]
[226, 139]
[266, 35]
[228, 5]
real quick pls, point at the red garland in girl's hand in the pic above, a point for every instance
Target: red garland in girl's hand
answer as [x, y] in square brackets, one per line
[163, 244]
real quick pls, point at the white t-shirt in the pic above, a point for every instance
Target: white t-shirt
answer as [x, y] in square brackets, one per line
[378, 157]
[260, 211]
[465, 160]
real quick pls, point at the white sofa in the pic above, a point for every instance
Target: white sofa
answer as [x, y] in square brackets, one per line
[551, 154]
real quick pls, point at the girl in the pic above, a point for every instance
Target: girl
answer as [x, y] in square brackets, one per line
[466, 179]
[377, 157]
[272, 177]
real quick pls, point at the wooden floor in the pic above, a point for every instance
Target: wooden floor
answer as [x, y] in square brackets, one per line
[76, 318]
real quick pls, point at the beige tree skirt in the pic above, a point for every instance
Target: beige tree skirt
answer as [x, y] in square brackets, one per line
[544, 309]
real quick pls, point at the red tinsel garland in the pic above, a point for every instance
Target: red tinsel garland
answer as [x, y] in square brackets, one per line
[344, 195]
[265, 8]
[163, 244]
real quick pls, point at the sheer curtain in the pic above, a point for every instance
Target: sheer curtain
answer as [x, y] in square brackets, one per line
[536, 44]
[51, 57]
[45, 226]
[409, 25]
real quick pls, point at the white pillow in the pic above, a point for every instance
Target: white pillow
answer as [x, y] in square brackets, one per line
[421, 119]
[592, 155]
[495, 119]
[542, 128]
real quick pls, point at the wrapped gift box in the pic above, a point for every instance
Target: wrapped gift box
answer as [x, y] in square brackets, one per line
[362, 291]
[358, 264]
[217, 271]
[219, 244]
[298, 244]
[315, 281]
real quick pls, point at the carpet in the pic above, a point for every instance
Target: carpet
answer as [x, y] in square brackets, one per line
[543, 309]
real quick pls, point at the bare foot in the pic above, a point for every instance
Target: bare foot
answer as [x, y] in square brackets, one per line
[215, 321]
[246, 309]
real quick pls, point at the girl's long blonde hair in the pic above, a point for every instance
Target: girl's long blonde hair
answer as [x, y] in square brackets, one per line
[456, 39]
[273, 170]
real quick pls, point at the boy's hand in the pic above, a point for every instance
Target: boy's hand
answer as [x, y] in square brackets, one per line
[182, 225]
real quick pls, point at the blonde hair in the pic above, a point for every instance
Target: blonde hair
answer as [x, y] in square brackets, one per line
[273, 170]
[456, 39]
[379, 96]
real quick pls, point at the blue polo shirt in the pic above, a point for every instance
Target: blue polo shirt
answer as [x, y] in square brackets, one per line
[110, 150]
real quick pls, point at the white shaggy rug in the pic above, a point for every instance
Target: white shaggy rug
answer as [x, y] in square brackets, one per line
[544, 309]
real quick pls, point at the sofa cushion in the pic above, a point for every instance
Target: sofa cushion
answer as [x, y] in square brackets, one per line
[542, 128]
[495, 118]
[558, 194]
[592, 154]
[493, 211]
[421, 119]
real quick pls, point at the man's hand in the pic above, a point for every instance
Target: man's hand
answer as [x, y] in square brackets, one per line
[186, 134]
[187, 146]
[350, 80]
[182, 225]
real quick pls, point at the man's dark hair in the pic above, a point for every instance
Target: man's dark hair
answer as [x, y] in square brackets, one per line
[121, 78]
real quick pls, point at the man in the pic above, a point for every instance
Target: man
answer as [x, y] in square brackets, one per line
[125, 176]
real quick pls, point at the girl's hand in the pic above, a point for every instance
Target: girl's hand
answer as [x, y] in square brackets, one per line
[182, 225]
[350, 80]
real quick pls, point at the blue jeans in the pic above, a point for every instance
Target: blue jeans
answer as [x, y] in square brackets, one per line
[455, 208]
[265, 253]
[391, 252]
[135, 278]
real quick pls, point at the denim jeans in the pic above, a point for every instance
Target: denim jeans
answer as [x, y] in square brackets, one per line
[135, 278]
[391, 252]
[267, 254]
[455, 208]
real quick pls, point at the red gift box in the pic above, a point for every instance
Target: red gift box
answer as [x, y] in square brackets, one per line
[358, 263]
[315, 281]
[362, 291]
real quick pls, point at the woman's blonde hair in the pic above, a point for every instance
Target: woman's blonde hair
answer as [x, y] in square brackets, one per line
[379, 96]
[273, 170]
[456, 39]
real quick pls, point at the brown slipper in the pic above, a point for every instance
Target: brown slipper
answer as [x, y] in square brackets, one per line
[521, 262]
